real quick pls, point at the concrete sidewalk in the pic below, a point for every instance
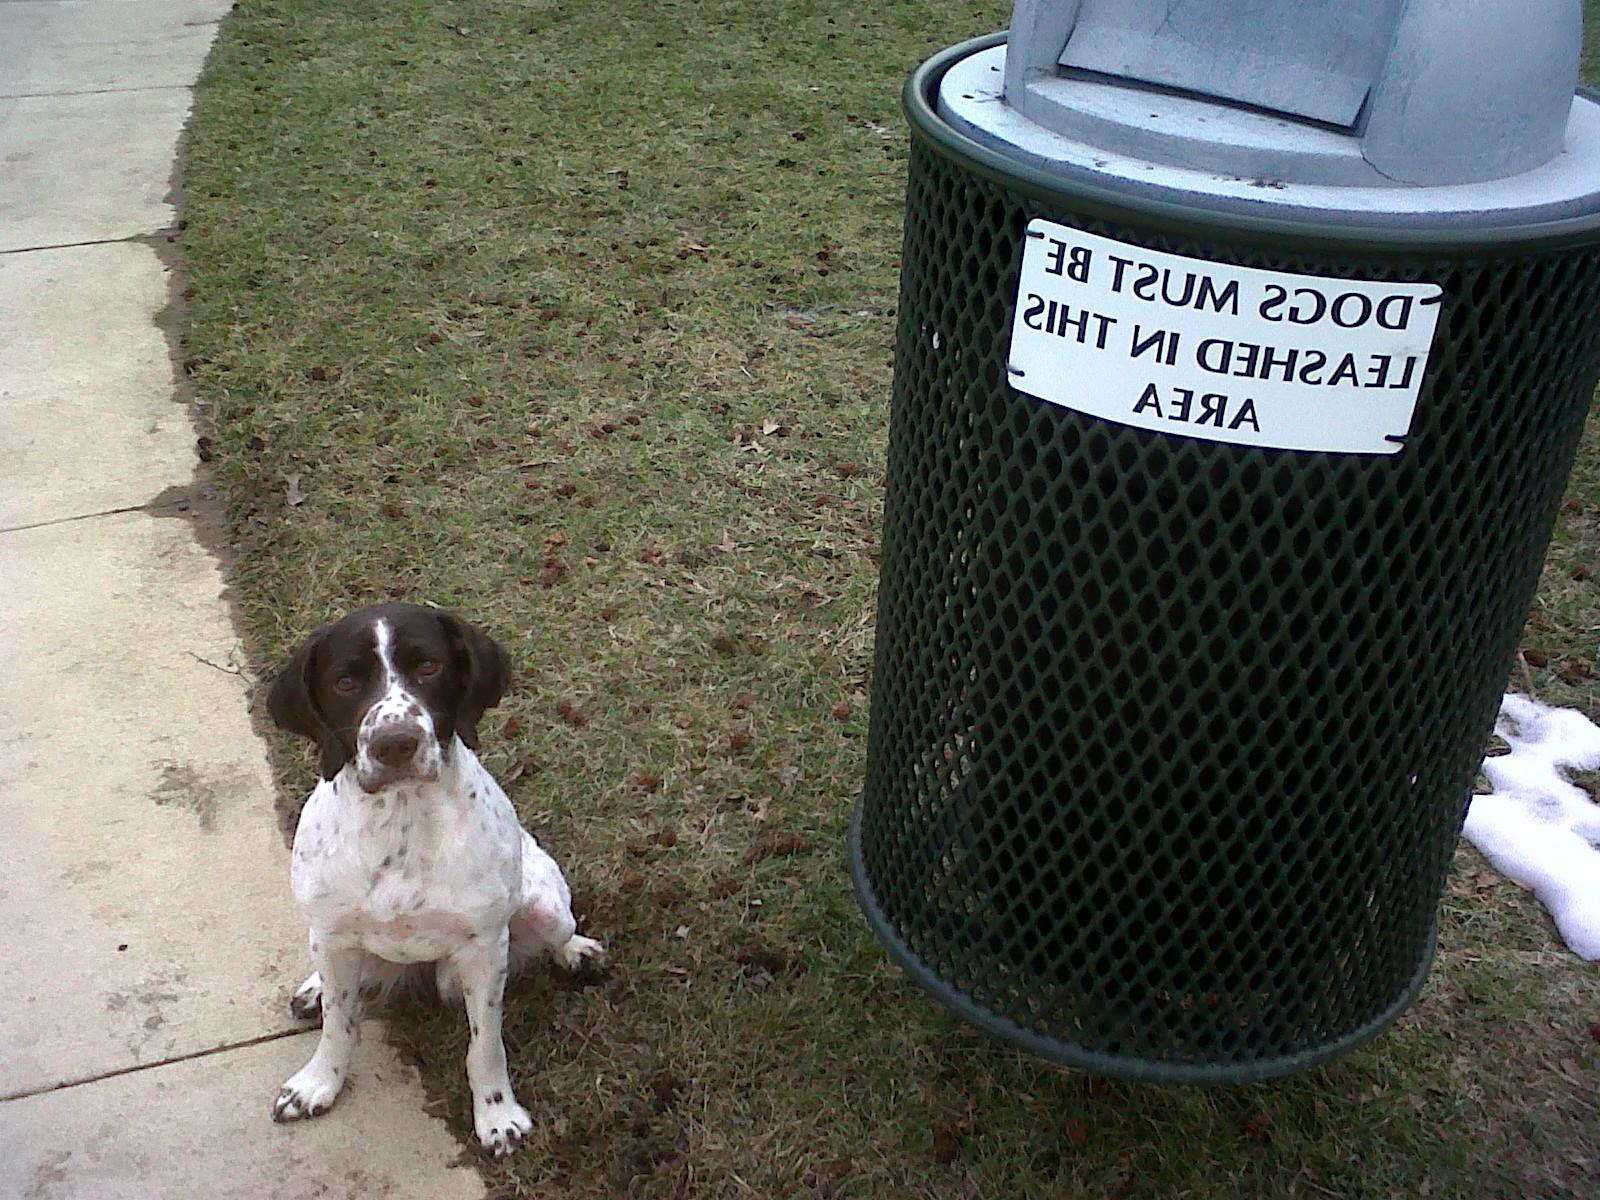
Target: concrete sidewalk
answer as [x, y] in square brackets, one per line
[148, 942]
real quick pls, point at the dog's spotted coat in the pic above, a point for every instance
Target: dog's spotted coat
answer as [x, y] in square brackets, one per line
[408, 852]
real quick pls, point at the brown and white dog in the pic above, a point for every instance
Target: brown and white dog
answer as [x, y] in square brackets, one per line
[408, 852]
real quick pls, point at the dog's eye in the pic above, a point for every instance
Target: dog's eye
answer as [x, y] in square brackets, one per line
[427, 668]
[345, 685]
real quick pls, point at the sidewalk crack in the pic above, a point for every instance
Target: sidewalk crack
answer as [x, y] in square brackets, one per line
[166, 231]
[105, 91]
[173, 502]
[152, 1066]
[109, 512]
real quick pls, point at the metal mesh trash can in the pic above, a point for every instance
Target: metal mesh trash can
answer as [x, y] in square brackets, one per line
[1174, 720]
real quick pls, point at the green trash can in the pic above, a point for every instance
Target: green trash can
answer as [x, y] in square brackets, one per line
[1186, 658]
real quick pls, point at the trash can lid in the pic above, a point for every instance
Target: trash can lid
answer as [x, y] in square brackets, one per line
[1470, 103]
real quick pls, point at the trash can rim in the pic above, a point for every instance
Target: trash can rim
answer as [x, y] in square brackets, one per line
[1084, 194]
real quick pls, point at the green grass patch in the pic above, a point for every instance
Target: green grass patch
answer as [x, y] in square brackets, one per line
[578, 321]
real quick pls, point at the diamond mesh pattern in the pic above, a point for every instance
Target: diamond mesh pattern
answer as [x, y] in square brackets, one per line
[1170, 739]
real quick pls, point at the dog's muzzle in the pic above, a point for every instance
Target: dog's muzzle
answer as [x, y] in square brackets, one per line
[396, 745]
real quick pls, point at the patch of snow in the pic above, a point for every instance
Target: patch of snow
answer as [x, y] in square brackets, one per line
[1537, 827]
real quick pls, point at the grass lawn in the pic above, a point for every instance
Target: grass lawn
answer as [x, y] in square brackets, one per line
[578, 319]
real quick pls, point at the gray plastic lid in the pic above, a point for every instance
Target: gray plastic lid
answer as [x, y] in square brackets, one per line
[1362, 92]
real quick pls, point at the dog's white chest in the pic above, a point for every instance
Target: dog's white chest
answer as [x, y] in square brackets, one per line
[409, 874]
[406, 919]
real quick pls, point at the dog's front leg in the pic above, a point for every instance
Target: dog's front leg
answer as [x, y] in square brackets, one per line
[501, 1122]
[311, 1091]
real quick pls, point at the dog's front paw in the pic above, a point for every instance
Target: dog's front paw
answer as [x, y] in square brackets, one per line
[501, 1122]
[306, 1003]
[309, 1093]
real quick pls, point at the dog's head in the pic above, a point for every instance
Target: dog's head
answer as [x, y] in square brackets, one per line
[389, 688]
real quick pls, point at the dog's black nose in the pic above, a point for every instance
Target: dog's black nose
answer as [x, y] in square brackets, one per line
[395, 748]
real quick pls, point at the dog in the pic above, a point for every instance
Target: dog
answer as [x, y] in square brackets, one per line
[408, 852]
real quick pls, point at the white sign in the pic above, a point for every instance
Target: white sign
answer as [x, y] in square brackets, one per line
[1224, 353]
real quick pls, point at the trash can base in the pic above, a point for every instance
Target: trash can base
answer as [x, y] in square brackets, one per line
[1131, 1069]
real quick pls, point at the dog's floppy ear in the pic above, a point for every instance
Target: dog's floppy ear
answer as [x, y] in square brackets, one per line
[485, 672]
[292, 705]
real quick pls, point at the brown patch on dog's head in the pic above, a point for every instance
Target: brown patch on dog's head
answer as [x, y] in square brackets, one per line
[442, 663]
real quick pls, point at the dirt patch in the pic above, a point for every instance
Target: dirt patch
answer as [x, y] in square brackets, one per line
[182, 787]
